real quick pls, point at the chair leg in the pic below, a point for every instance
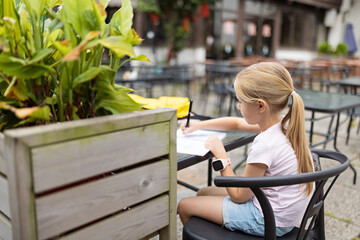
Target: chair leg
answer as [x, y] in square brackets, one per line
[348, 129]
[329, 131]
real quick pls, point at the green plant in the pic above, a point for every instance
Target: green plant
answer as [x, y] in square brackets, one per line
[51, 61]
[325, 48]
[177, 18]
[341, 49]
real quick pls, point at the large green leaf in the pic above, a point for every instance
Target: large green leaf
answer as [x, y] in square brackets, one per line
[126, 17]
[137, 58]
[119, 45]
[107, 73]
[86, 76]
[114, 101]
[74, 54]
[100, 14]
[20, 90]
[35, 6]
[41, 55]
[20, 69]
[8, 9]
[79, 13]
[42, 113]
[121, 21]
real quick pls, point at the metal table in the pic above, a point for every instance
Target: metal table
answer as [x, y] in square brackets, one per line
[148, 76]
[233, 139]
[352, 83]
[333, 103]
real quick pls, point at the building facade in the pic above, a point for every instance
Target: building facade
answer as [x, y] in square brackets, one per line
[283, 29]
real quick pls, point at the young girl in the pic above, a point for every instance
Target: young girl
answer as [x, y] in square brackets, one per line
[263, 91]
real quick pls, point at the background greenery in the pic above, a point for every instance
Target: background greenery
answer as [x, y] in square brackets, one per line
[177, 17]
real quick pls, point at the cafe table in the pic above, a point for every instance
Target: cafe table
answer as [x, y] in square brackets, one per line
[149, 75]
[145, 80]
[352, 84]
[233, 140]
[332, 103]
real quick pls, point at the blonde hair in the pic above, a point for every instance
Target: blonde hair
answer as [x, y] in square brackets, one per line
[272, 83]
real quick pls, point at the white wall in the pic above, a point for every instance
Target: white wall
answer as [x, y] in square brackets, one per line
[291, 54]
[349, 13]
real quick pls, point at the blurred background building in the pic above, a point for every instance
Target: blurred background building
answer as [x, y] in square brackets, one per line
[282, 29]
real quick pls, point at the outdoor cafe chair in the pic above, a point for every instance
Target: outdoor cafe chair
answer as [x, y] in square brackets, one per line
[312, 225]
[217, 77]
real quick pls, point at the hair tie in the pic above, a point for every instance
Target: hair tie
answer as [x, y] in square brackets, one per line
[292, 93]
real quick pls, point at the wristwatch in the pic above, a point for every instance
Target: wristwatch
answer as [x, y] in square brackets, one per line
[221, 163]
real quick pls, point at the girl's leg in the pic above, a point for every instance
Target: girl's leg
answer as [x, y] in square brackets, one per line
[207, 207]
[212, 191]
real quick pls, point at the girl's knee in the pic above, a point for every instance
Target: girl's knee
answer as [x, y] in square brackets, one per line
[184, 209]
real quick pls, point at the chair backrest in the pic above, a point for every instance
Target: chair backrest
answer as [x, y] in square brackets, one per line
[314, 211]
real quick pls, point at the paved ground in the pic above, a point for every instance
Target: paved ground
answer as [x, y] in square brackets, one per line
[342, 207]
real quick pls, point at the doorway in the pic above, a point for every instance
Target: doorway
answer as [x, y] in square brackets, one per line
[258, 36]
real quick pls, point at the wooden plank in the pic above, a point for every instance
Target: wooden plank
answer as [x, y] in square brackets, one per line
[3, 166]
[5, 228]
[135, 223]
[20, 190]
[67, 162]
[52, 133]
[4, 197]
[169, 232]
[66, 210]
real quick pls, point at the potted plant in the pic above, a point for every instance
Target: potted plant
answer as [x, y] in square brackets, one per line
[78, 178]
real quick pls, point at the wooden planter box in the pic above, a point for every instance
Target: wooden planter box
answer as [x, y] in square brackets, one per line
[110, 177]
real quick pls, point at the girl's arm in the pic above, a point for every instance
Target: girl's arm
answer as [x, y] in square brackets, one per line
[223, 124]
[238, 195]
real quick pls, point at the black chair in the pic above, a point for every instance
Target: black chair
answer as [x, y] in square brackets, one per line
[198, 228]
[217, 77]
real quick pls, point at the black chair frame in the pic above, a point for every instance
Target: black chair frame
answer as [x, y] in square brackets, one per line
[197, 228]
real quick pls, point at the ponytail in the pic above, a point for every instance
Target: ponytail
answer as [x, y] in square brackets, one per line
[295, 133]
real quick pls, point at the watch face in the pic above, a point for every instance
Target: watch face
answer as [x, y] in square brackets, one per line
[217, 165]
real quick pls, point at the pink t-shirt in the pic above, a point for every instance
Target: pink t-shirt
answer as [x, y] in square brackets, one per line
[288, 202]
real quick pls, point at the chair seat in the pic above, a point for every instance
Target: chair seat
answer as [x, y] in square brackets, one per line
[201, 229]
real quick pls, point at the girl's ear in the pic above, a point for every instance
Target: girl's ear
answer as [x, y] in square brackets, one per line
[262, 105]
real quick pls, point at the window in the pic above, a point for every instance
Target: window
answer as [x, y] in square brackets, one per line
[298, 29]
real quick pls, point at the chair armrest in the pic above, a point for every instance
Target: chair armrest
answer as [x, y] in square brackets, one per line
[275, 181]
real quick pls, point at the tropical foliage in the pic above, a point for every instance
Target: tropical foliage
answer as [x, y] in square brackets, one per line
[51, 60]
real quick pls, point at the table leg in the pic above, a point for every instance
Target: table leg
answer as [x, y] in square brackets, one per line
[230, 105]
[311, 126]
[209, 172]
[335, 147]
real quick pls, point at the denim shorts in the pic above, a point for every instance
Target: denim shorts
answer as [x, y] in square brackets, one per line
[247, 218]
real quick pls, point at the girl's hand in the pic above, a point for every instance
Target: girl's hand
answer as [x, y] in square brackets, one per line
[215, 145]
[193, 125]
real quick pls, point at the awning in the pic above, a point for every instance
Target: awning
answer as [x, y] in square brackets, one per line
[327, 4]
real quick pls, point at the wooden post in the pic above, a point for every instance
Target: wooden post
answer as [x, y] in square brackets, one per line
[239, 51]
